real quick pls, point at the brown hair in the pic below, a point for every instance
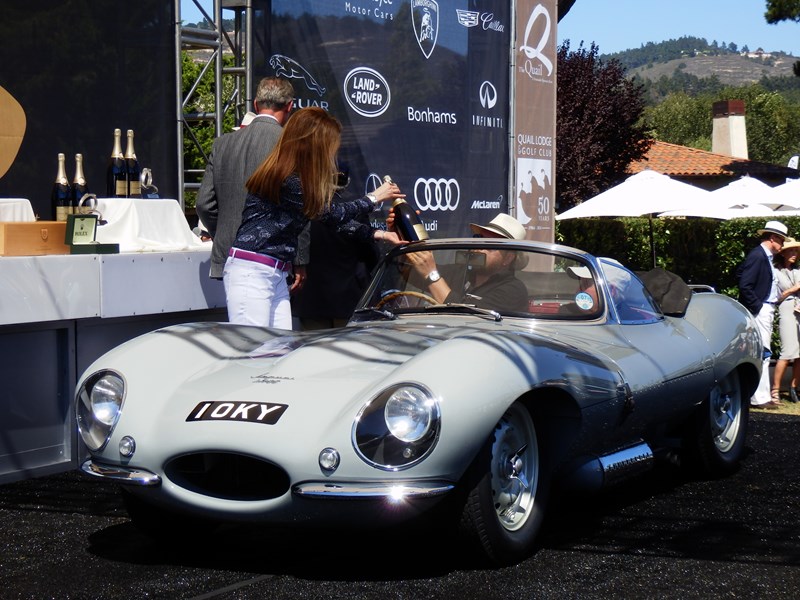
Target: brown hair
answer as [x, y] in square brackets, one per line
[307, 147]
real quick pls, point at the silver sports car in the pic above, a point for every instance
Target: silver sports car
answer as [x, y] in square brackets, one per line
[474, 376]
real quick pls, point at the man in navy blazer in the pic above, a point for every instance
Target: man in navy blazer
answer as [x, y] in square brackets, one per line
[234, 157]
[758, 293]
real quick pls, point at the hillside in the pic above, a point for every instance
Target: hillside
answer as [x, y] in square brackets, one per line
[730, 69]
[696, 57]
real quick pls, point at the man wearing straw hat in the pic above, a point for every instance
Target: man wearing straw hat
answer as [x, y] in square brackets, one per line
[758, 293]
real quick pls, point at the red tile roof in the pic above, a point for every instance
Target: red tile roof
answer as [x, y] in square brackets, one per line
[683, 162]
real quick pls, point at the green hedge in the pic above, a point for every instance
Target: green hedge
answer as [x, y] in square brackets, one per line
[702, 251]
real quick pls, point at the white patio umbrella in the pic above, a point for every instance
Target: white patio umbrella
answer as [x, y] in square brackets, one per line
[645, 193]
[786, 195]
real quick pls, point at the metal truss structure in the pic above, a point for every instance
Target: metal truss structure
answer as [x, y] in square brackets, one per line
[233, 96]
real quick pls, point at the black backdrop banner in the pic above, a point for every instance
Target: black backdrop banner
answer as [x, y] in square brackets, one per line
[421, 88]
[80, 69]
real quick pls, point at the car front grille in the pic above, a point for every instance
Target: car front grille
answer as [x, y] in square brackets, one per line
[228, 476]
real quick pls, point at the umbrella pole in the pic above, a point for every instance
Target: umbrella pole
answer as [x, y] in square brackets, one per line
[652, 242]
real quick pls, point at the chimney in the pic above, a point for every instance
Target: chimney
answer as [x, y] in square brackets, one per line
[729, 134]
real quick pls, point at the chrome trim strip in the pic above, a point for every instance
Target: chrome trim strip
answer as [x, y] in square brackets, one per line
[391, 490]
[121, 474]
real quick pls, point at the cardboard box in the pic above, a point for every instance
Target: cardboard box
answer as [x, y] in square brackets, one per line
[33, 238]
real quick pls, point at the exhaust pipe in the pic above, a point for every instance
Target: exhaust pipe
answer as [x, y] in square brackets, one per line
[599, 472]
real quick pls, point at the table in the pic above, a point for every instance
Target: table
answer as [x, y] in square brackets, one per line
[16, 209]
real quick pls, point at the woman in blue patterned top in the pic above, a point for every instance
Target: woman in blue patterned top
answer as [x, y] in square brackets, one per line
[294, 184]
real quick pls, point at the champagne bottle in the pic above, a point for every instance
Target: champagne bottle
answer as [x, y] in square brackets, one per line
[61, 197]
[407, 223]
[133, 170]
[79, 186]
[117, 173]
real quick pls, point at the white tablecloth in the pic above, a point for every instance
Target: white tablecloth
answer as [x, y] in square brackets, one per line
[16, 209]
[146, 225]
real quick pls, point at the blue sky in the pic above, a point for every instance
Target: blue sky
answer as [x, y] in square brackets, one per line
[623, 24]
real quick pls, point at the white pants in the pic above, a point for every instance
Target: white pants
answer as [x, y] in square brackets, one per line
[256, 294]
[764, 321]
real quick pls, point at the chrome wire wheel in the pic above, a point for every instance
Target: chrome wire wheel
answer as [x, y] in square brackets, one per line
[514, 468]
[725, 406]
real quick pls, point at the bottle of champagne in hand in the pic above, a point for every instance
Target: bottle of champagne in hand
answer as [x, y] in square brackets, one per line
[79, 186]
[117, 173]
[61, 196]
[133, 170]
[406, 220]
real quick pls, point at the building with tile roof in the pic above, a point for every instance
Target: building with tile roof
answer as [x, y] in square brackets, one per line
[706, 169]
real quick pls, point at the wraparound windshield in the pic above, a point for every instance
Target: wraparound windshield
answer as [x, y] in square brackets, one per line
[494, 276]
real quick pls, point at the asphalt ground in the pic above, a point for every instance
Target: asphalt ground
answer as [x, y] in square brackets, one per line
[662, 536]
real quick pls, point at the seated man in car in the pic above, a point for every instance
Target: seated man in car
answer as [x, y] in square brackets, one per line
[490, 285]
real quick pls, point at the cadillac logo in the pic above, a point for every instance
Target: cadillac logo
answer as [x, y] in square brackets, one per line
[425, 19]
[367, 92]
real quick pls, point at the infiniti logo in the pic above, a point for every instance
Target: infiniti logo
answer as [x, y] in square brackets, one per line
[488, 95]
[436, 194]
[367, 92]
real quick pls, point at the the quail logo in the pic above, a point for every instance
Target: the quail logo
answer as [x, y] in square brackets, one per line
[367, 92]
[425, 19]
[436, 194]
[534, 53]
[472, 18]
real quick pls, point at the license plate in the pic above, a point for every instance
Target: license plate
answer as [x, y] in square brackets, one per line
[248, 412]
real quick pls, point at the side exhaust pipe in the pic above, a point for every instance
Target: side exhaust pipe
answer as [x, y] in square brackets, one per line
[599, 472]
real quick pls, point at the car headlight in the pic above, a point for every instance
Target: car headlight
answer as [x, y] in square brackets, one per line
[398, 428]
[98, 407]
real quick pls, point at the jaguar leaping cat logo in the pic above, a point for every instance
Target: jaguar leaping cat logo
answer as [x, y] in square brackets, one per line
[291, 69]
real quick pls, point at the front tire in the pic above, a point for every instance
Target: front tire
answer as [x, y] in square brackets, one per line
[716, 436]
[504, 508]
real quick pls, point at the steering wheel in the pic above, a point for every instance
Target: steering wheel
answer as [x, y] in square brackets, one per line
[394, 295]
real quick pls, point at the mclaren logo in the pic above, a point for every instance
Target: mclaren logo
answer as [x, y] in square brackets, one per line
[436, 194]
[425, 19]
[249, 412]
[367, 92]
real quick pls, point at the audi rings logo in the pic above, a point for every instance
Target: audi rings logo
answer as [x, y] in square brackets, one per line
[367, 92]
[436, 194]
[488, 95]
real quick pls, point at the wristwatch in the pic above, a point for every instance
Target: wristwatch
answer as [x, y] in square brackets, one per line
[433, 276]
[372, 198]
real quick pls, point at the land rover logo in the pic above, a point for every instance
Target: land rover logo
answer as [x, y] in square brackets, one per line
[367, 92]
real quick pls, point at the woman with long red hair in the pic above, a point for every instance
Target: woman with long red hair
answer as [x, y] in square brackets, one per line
[294, 184]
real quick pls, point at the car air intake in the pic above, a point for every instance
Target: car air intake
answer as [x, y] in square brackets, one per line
[228, 476]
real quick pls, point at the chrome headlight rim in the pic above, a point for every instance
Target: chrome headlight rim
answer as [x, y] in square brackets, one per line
[94, 431]
[374, 442]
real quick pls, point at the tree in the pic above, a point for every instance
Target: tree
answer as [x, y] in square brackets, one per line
[681, 119]
[784, 10]
[597, 124]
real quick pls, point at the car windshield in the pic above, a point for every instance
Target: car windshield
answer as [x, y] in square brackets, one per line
[484, 277]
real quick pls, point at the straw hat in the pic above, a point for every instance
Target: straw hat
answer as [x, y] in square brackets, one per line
[775, 227]
[504, 225]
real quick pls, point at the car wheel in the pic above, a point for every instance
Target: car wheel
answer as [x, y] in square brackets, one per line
[716, 436]
[504, 507]
[165, 525]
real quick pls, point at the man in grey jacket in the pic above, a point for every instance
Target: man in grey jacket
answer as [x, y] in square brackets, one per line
[234, 157]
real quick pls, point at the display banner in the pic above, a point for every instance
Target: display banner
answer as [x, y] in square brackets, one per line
[78, 69]
[534, 135]
[420, 86]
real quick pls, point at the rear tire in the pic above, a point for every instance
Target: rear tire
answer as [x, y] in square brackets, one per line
[507, 490]
[715, 439]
